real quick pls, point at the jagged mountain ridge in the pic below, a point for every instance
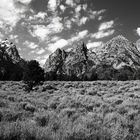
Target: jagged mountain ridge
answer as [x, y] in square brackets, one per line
[75, 62]
[11, 64]
[10, 49]
[116, 53]
[119, 52]
[79, 62]
[69, 63]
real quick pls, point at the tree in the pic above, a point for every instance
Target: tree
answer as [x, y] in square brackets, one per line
[125, 73]
[105, 72]
[33, 75]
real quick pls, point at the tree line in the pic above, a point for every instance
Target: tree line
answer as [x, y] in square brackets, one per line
[33, 74]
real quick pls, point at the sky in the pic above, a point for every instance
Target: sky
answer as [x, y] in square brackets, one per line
[39, 27]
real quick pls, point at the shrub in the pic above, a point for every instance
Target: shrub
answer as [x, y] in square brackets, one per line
[33, 75]
[11, 98]
[9, 115]
[29, 107]
[42, 119]
[23, 131]
[105, 72]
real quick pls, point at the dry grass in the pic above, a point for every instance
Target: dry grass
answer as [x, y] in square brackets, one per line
[100, 110]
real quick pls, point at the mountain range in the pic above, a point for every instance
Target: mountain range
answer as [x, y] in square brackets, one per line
[118, 59]
[11, 64]
[107, 63]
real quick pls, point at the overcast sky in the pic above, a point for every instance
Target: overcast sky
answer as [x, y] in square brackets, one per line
[39, 27]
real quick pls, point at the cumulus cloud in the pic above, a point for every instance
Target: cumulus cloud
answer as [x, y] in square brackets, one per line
[68, 24]
[52, 5]
[93, 14]
[79, 36]
[10, 13]
[41, 15]
[42, 31]
[55, 38]
[70, 3]
[94, 44]
[14, 37]
[58, 44]
[25, 1]
[78, 8]
[105, 29]
[62, 7]
[40, 51]
[83, 20]
[84, 7]
[82, 33]
[138, 31]
[89, 14]
[106, 25]
[62, 42]
[102, 34]
[56, 26]
[30, 45]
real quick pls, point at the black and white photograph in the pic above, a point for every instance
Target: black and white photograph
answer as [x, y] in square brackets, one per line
[69, 69]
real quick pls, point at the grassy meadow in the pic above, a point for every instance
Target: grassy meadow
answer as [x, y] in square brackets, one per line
[99, 110]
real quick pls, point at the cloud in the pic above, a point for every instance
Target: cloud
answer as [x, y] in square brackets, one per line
[93, 14]
[78, 8]
[55, 38]
[10, 13]
[79, 36]
[42, 31]
[31, 45]
[100, 18]
[68, 24]
[62, 7]
[83, 20]
[1, 36]
[58, 44]
[56, 26]
[52, 5]
[106, 25]
[105, 29]
[70, 3]
[102, 34]
[85, 7]
[42, 59]
[25, 1]
[41, 15]
[82, 33]
[94, 44]
[41, 51]
[138, 31]
[14, 37]
[62, 42]
[89, 14]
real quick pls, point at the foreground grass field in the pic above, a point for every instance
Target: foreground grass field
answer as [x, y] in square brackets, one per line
[100, 110]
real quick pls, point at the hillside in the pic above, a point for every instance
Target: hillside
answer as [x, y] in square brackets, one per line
[101, 110]
[11, 64]
[118, 59]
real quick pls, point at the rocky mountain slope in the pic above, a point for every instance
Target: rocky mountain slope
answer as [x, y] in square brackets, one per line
[116, 55]
[11, 64]
[72, 64]
[119, 52]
